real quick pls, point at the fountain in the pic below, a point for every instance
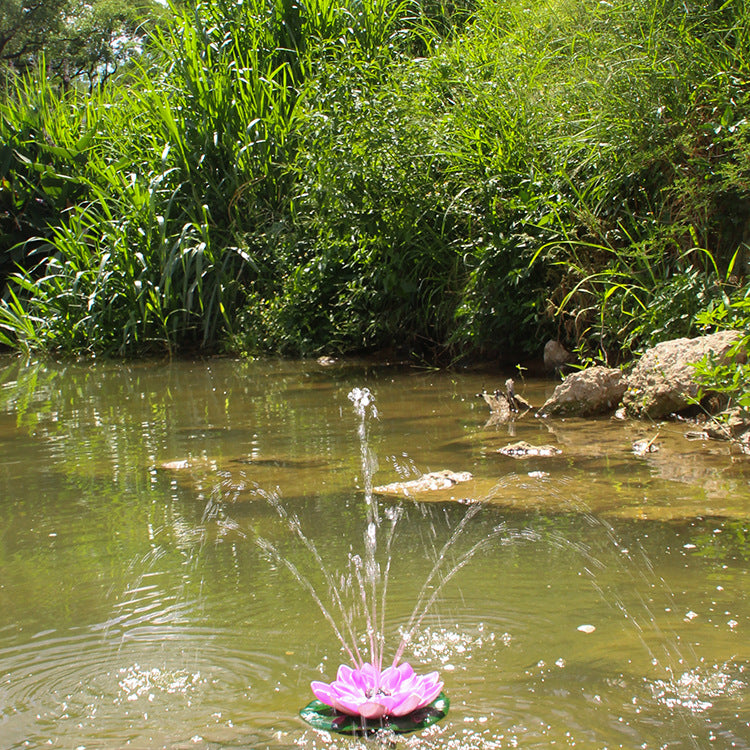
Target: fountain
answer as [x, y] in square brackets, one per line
[365, 697]
[369, 695]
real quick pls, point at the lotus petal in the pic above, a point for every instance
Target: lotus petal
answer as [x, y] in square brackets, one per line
[411, 702]
[372, 710]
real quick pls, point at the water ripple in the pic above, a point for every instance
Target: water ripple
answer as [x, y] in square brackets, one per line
[89, 681]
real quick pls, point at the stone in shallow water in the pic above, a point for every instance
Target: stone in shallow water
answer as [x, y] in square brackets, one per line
[280, 462]
[663, 381]
[178, 465]
[183, 464]
[597, 390]
[523, 449]
[642, 447]
[432, 482]
[507, 405]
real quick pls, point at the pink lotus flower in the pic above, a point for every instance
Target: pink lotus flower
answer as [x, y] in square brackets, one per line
[372, 694]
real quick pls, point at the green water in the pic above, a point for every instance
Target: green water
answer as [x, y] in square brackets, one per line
[137, 609]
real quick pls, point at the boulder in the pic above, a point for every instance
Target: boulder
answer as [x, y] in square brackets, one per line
[556, 356]
[597, 390]
[663, 380]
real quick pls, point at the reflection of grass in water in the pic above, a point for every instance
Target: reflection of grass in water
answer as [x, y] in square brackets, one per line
[721, 541]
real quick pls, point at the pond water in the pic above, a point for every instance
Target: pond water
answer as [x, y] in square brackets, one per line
[607, 604]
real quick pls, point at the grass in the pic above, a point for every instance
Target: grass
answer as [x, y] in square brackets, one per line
[457, 179]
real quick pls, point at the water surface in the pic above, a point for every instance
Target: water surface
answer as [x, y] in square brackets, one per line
[138, 610]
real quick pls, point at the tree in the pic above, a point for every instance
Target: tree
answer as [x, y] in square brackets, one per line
[26, 26]
[84, 40]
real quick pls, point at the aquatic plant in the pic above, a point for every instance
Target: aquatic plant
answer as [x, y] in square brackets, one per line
[730, 377]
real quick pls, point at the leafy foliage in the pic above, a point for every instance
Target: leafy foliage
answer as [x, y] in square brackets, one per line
[731, 377]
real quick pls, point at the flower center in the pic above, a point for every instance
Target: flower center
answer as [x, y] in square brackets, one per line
[375, 692]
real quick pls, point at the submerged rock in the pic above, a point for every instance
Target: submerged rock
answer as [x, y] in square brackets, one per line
[432, 482]
[642, 447]
[734, 426]
[663, 380]
[183, 464]
[523, 449]
[597, 390]
[279, 462]
[178, 465]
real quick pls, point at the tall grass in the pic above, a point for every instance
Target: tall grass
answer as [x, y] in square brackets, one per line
[153, 256]
[454, 178]
[45, 143]
[611, 168]
[656, 227]
[155, 240]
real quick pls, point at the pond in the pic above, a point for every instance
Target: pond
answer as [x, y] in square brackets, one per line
[595, 598]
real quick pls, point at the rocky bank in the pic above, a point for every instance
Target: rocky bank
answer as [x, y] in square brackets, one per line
[662, 383]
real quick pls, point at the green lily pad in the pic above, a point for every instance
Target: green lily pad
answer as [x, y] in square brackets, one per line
[320, 716]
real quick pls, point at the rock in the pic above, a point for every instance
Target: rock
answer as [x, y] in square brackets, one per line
[279, 462]
[733, 425]
[197, 464]
[556, 356]
[506, 406]
[597, 390]
[178, 465]
[523, 449]
[696, 435]
[642, 447]
[432, 482]
[662, 382]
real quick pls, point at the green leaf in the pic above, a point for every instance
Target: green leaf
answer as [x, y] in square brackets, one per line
[320, 716]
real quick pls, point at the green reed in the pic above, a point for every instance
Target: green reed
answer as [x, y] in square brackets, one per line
[150, 258]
